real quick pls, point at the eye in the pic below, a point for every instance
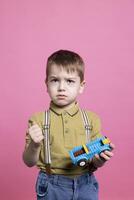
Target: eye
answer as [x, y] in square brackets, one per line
[70, 81]
[54, 80]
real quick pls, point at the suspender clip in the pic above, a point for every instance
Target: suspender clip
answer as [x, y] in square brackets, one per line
[46, 126]
[88, 127]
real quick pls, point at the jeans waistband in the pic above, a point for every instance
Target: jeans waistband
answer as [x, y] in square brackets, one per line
[68, 182]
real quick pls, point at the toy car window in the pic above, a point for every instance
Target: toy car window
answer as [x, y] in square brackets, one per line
[80, 152]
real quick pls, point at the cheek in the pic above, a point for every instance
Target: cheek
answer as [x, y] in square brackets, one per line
[50, 90]
[51, 87]
[74, 91]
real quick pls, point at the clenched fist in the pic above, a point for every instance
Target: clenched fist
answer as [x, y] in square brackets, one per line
[35, 133]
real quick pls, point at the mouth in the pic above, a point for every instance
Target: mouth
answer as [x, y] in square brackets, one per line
[61, 96]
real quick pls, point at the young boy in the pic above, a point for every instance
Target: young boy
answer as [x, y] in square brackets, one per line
[50, 137]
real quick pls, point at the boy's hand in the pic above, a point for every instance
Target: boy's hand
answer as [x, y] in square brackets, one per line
[36, 134]
[99, 160]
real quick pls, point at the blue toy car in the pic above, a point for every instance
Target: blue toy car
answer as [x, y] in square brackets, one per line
[81, 154]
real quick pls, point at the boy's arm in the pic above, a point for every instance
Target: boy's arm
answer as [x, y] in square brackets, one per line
[32, 148]
[99, 160]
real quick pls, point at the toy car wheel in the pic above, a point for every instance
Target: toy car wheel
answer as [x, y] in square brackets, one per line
[82, 162]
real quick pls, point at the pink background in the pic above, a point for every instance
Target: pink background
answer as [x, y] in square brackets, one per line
[102, 32]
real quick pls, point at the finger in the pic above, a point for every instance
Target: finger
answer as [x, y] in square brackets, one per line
[112, 146]
[39, 138]
[35, 127]
[97, 156]
[31, 122]
[106, 155]
[99, 161]
[36, 133]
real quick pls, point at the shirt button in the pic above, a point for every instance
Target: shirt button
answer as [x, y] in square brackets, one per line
[66, 121]
[66, 131]
[64, 113]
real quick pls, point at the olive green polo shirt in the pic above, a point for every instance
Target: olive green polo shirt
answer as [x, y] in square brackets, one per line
[66, 132]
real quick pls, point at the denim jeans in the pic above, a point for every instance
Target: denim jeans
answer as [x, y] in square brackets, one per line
[58, 187]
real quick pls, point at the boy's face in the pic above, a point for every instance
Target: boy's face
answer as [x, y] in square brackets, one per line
[63, 87]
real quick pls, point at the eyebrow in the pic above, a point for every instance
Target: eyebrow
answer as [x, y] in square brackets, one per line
[53, 76]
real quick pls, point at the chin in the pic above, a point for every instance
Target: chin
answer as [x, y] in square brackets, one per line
[62, 105]
[59, 104]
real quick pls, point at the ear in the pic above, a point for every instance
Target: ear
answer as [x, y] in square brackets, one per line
[82, 86]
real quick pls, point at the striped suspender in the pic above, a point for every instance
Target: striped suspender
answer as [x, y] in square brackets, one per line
[47, 142]
[47, 136]
[86, 124]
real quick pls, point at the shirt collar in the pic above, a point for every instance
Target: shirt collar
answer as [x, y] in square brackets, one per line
[71, 111]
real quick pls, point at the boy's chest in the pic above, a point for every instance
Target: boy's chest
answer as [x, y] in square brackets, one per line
[66, 131]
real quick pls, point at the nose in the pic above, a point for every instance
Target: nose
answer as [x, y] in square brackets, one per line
[61, 86]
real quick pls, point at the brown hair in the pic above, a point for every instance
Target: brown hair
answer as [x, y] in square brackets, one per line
[68, 60]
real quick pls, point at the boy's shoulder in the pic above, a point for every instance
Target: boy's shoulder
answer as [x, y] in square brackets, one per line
[91, 114]
[37, 117]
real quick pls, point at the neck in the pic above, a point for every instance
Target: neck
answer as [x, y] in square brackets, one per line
[66, 107]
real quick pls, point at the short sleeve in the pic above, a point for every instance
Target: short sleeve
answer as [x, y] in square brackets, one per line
[96, 125]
